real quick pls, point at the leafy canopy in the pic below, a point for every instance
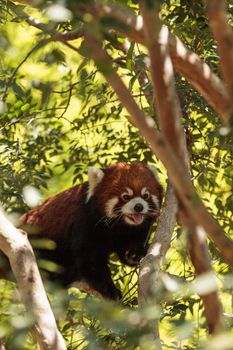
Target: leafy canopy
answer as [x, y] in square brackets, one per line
[58, 116]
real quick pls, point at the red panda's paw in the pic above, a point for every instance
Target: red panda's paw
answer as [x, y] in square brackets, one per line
[134, 256]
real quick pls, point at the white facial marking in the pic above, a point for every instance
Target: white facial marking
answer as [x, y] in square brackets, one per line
[129, 191]
[109, 207]
[156, 201]
[145, 193]
[94, 177]
[144, 190]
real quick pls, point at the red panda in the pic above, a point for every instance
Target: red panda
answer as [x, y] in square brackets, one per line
[111, 213]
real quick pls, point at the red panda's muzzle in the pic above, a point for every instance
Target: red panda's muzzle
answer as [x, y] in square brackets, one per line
[135, 211]
[132, 212]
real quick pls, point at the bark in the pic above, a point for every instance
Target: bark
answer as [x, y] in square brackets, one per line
[200, 258]
[2, 344]
[149, 270]
[132, 25]
[201, 76]
[167, 102]
[55, 35]
[218, 20]
[169, 114]
[16, 247]
[150, 265]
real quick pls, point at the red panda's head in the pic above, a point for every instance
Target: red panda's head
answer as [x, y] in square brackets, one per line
[128, 192]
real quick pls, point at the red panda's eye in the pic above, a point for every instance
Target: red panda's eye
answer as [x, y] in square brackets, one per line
[126, 197]
[145, 195]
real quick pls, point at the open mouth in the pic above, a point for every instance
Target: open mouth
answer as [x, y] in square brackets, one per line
[135, 219]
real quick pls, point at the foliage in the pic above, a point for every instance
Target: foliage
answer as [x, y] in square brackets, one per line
[58, 117]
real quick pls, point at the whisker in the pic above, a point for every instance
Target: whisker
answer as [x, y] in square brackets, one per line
[107, 221]
[117, 219]
[103, 218]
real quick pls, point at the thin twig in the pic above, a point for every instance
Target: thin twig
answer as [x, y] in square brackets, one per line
[10, 80]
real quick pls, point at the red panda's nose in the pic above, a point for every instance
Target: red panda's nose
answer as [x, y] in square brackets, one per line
[138, 207]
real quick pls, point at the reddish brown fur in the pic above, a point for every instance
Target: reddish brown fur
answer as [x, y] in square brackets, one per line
[54, 217]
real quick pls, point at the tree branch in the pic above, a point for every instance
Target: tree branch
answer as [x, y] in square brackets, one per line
[167, 103]
[201, 76]
[132, 25]
[2, 344]
[55, 35]
[198, 250]
[169, 112]
[150, 265]
[17, 248]
[218, 20]
[10, 80]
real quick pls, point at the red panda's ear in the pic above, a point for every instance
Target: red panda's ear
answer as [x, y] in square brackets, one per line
[154, 171]
[158, 201]
[94, 177]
